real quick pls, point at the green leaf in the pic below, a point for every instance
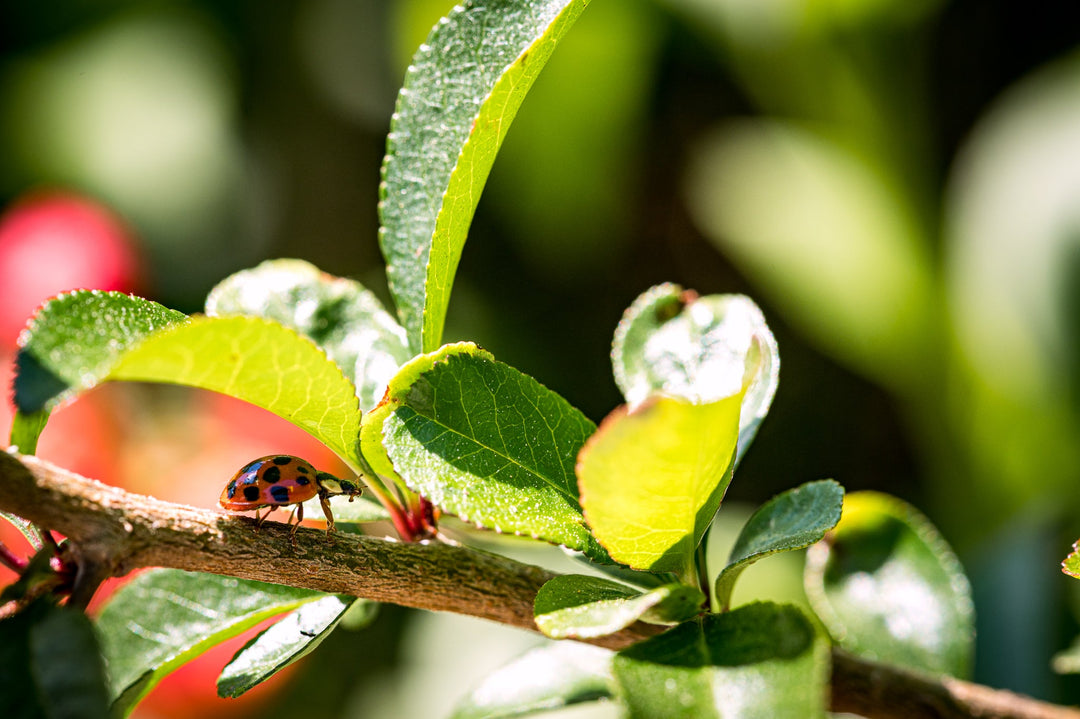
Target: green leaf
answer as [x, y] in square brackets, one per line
[164, 618]
[1071, 564]
[546, 678]
[888, 587]
[581, 607]
[67, 666]
[51, 665]
[26, 427]
[761, 660]
[670, 341]
[75, 339]
[291, 639]
[337, 314]
[652, 478]
[258, 361]
[27, 529]
[460, 95]
[81, 339]
[484, 442]
[794, 519]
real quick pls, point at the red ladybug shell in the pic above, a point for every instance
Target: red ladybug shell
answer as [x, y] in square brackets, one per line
[270, 481]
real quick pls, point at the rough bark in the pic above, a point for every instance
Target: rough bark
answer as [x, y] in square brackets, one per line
[113, 532]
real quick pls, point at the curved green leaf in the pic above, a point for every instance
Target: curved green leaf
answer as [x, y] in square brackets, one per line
[460, 95]
[258, 361]
[652, 478]
[889, 588]
[484, 442]
[670, 341]
[164, 618]
[281, 644]
[582, 607]
[546, 678]
[794, 519]
[340, 315]
[760, 660]
[76, 338]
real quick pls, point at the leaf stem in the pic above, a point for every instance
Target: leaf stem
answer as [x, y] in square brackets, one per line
[702, 567]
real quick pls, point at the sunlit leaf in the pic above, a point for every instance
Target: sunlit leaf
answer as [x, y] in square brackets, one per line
[81, 339]
[652, 478]
[286, 641]
[164, 618]
[792, 520]
[1071, 564]
[340, 315]
[258, 361]
[460, 95]
[672, 341]
[545, 678]
[70, 345]
[888, 587]
[582, 607]
[484, 442]
[760, 660]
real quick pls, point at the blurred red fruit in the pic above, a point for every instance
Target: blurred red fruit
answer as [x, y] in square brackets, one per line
[55, 241]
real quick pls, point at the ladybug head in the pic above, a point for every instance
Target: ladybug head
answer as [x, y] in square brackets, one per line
[332, 485]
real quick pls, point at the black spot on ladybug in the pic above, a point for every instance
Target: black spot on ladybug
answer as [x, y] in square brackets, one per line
[302, 481]
[231, 489]
[271, 475]
[301, 469]
[251, 493]
[280, 494]
[282, 459]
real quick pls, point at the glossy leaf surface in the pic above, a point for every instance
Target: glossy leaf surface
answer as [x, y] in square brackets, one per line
[652, 478]
[281, 644]
[85, 338]
[460, 95]
[546, 678]
[888, 587]
[583, 607]
[340, 315]
[163, 618]
[671, 341]
[484, 442]
[76, 338]
[761, 660]
[794, 519]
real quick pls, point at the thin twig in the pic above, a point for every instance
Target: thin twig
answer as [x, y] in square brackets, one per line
[113, 532]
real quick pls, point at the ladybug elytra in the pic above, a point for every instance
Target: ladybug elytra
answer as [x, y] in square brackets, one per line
[278, 480]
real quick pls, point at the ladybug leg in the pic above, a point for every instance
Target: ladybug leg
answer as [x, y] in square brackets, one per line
[299, 512]
[324, 500]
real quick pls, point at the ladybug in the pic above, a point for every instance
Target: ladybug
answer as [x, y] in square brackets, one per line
[280, 479]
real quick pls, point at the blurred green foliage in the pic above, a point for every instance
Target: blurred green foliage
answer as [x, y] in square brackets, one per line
[895, 182]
